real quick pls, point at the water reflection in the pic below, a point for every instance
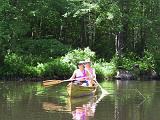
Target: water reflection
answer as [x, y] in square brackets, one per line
[31, 101]
[81, 108]
[132, 98]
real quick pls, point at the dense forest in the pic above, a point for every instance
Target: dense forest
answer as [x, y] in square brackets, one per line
[47, 37]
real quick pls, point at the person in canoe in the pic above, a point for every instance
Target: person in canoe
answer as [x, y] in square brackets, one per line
[91, 71]
[80, 75]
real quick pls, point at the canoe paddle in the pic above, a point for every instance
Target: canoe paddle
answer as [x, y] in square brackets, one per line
[48, 83]
[104, 92]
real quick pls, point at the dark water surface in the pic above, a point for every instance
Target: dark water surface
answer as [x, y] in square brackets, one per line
[129, 100]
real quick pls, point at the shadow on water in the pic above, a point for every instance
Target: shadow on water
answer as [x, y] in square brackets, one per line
[129, 100]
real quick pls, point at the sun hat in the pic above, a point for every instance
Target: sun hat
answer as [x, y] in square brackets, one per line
[87, 61]
[81, 62]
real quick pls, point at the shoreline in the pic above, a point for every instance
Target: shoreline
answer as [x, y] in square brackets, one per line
[120, 76]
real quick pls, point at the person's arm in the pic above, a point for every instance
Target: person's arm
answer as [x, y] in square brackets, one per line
[94, 74]
[73, 75]
[87, 75]
[90, 77]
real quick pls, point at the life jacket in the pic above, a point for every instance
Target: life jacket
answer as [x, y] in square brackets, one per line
[80, 74]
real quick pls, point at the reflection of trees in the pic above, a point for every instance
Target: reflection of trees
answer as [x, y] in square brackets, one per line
[152, 107]
[16, 98]
[132, 98]
[24, 99]
[13, 90]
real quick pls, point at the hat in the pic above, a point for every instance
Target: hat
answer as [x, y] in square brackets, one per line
[87, 61]
[81, 62]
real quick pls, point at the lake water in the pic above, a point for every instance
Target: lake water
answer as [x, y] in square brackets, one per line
[129, 100]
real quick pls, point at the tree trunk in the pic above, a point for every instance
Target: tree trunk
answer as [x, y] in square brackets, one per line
[119, 44]
[91, 30]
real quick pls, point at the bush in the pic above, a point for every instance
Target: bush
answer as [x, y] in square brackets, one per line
[40, 50]
[62, 67]
[104, 69]
[13, 64]
[28, 56]
[147, 62]
[127, 62]
[58, 69]
[77, 55]
[16, 65]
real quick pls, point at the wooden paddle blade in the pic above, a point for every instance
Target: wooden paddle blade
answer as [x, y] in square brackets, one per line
[51, 82]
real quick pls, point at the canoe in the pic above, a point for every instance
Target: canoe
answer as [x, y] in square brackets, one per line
[79, 91]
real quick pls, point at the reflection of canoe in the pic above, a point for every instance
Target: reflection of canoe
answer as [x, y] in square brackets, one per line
[73, 103]
[79, 91]
[82, 108]
[48, 106]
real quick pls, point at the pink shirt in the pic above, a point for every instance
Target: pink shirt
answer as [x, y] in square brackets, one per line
[80, 74]
[92, 72]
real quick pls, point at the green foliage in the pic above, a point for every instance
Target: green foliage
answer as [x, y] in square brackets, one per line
[58, 68]
[55, 68]
[127, 62]
[157, 65]
[25, 65]
[33, 57]
[25, 26]
[104, 69]
[34, 51]
[147, 62]
[13, 64]
[63, 67]
[16, 65]
[109, 17]
[44, 48]
[77, 55]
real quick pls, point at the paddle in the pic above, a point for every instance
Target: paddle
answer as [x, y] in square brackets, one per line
[104, 92]
[48, 83]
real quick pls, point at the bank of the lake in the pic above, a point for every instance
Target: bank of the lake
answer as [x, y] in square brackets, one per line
[20, 66]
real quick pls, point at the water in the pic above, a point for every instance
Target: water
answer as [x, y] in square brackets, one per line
[129, 100]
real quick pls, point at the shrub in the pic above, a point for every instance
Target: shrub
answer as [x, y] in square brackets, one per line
[62, 67]
[40, 50]
[13, 63]
[104, 69]
[127, 62]
[58, 68]
[16, 65]
[29, 56]
[77, 55]
[147, 62]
